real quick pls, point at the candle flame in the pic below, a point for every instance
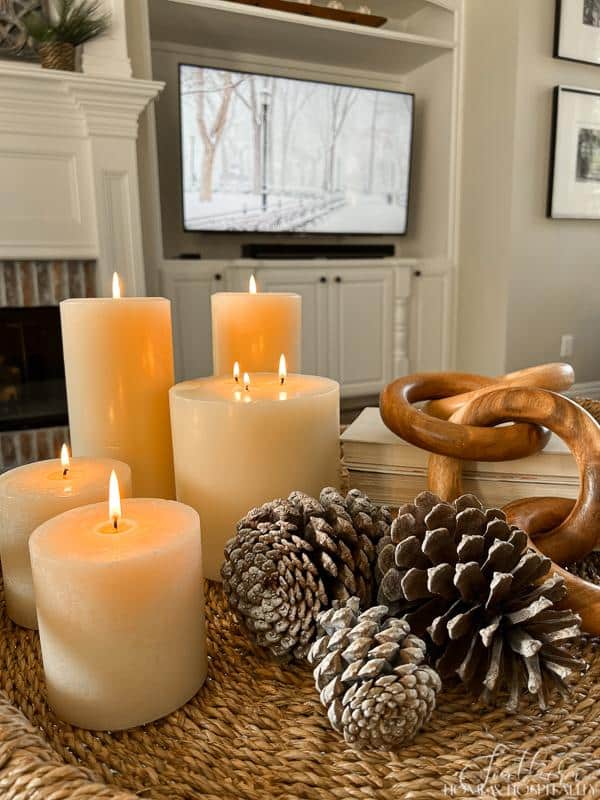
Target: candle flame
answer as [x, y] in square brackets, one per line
[64, 460]
[252, 285]
[282, 369]
[236, 372]
[114, 500]
[246, 381]
[116, 286]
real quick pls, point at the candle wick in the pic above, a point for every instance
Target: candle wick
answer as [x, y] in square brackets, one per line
[247, 387]
[282, 380]
[65, 472]
[116, 523]
[236, 379]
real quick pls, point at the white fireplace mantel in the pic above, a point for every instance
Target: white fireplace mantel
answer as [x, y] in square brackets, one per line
[68, 169]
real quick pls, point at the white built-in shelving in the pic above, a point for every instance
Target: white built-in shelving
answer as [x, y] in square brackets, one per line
[419, 50]
[400, 46]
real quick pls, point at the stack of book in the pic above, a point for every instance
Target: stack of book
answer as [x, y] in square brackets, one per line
[392, 471]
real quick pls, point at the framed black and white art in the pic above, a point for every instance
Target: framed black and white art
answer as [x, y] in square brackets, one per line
[575, 157]
[577, 33]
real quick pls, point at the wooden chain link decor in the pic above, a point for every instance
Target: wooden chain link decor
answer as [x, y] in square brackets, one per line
[561, 529]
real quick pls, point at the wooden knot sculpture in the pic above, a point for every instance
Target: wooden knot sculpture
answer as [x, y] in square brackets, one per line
[561, 529]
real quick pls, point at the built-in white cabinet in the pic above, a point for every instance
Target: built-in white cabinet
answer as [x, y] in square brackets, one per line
[360, 319]
[189, 286]
[312, 286]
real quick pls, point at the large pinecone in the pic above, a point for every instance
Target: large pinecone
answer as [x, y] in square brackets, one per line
[371, 677]
[466, 578]
[290, 559]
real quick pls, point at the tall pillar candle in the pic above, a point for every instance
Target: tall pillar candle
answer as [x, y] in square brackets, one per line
[235, 448]
[119, 368]
[254, 328]
[29, 496]
[121, 612]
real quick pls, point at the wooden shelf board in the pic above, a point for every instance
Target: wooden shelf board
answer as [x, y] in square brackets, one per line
[223, 25]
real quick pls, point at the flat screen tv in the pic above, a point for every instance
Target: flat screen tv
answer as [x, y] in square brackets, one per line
[278, 155]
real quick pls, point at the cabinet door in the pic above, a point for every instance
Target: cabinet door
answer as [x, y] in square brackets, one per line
[190, 294]
[311, 285]
[430, 322]
[361, 304]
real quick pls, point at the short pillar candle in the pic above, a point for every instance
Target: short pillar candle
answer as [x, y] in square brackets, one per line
[34, 493]
[119, 367]
[121, 612]
[254, 328]
[237, 445]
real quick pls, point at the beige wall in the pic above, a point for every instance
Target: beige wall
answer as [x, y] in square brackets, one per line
[525, 279]
[488, 139]
[555, 276]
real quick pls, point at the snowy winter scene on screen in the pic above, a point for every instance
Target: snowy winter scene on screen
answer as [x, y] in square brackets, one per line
[269, 154]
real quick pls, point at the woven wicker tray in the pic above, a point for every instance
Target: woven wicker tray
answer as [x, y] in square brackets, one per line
[257, 730]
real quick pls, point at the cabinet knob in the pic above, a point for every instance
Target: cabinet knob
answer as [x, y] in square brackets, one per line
[323, 279]
[218, 276]
[417, 273]
[338, 279]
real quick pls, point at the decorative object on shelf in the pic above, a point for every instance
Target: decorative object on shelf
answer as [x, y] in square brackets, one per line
[466, 578]
[254, 328]
[237, 444]
[575, 156]
[118, 355]
[369, 669]
[563, 530]
[34, 493]
[14, 38]
[58, 32]
[337, 13]
[577, 31]
[292, 558]
[120, 604]
[335, 4]
[364, 10]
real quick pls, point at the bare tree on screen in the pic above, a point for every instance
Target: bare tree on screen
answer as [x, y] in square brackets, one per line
[342, 98]
[211, 108]
[291, 104]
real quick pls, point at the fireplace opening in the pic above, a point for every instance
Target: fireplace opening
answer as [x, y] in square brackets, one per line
[32, 373]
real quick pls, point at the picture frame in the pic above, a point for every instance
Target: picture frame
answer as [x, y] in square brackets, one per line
[574, 186]
[577, 31]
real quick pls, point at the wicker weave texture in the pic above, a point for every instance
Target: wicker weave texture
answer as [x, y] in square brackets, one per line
[257, 730]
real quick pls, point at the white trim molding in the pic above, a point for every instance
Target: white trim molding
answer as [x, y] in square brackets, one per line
[68, 164]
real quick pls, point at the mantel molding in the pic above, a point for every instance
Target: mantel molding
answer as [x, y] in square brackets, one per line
[71, 103]
[68, 160]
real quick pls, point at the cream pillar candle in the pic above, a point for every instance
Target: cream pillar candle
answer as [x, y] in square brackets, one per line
[254, 329]
[29, 496]
[235, 448]
[119, 368]
[121, 612]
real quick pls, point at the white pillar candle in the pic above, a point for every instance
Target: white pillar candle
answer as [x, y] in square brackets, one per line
[119, 368]
[235, 448]
[121, 612]
[29, 496]
[254, 329]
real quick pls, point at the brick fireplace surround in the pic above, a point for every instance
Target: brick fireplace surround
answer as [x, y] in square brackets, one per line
[31, 283]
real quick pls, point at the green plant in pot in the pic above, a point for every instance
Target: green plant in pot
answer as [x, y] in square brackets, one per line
[58, 30]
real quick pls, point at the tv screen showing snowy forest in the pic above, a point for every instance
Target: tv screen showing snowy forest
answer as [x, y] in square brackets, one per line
[268, 154]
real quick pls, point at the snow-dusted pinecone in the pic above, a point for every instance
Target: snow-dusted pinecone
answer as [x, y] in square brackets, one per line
[369, 670]
[588, 568]
[468, 580]
[290, 559]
